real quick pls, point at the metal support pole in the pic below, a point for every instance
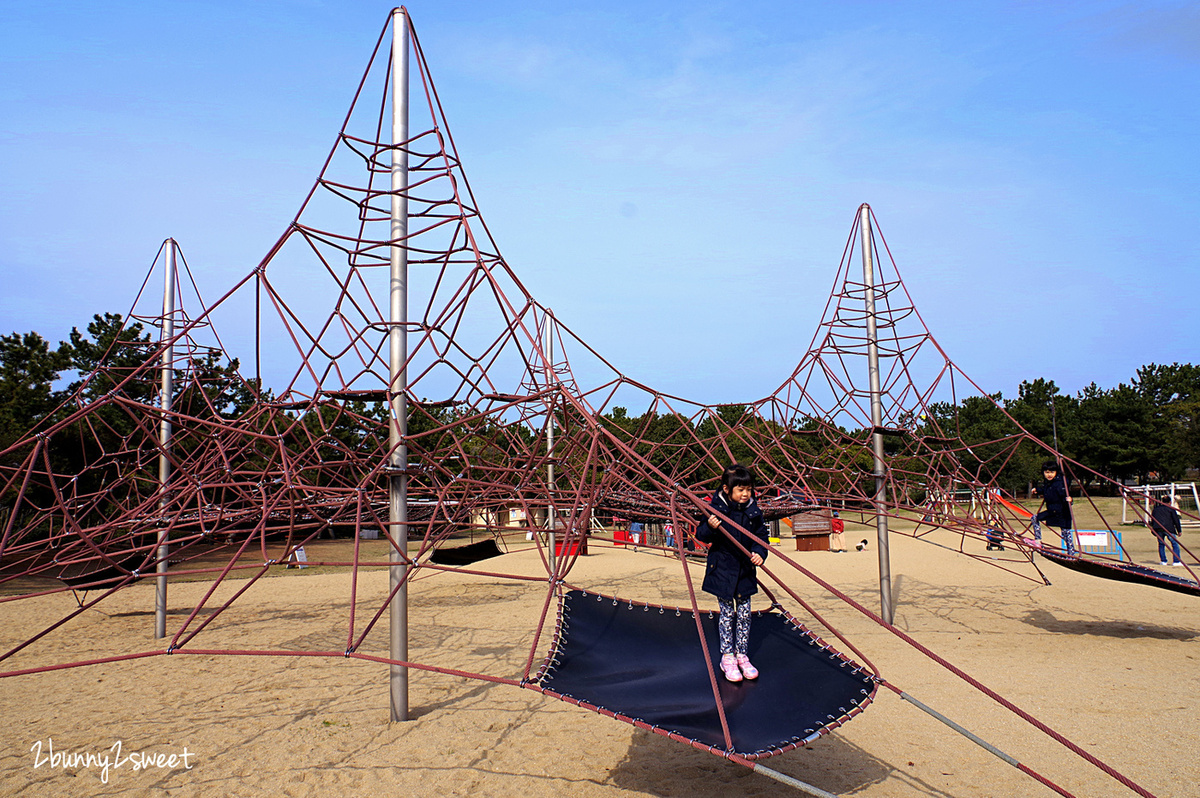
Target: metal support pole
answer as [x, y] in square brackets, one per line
[550, 380]
[164, 441]
[398, 373]
[887, 611]
[791, 781]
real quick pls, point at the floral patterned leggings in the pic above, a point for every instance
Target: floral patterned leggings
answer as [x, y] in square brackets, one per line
[731, 608]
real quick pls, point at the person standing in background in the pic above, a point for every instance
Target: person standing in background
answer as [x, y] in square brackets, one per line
[837, 541]
[1166, 526]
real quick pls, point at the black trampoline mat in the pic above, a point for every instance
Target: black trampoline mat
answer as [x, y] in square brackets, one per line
[466, 555]
[1124, 572]
[647, 664]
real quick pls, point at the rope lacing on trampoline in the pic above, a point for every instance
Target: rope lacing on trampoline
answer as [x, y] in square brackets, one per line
[844, 660]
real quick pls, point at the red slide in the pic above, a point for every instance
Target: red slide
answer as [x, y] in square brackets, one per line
[1016, 508]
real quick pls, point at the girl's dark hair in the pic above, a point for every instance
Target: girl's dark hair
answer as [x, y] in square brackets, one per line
[737, 474]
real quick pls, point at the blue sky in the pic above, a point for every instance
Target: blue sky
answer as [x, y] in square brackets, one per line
[661, 175]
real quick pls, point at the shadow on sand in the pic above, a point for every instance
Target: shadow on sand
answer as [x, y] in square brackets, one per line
[658, 766]
[1123, 629]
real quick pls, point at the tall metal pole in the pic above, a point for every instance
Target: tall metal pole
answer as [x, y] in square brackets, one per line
[164, 441]
[550, 513]
[397, 373]
[887, 611]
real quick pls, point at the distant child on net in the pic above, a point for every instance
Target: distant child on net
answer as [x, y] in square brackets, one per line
[1057, 497]
[730, 574]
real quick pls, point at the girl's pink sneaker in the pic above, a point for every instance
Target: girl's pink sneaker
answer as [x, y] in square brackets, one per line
[748, 670]
[729, 665]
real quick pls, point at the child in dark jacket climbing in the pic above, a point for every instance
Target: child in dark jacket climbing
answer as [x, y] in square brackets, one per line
[730, 574]
[1057, 498]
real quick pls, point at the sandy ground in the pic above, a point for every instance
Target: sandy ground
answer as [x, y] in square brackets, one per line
[1112, 666]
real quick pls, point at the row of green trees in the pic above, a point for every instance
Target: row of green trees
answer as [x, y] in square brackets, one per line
[32, 386]
[104, 452]
[1147, 428]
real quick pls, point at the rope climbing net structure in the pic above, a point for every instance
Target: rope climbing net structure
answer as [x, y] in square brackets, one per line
[171, 459]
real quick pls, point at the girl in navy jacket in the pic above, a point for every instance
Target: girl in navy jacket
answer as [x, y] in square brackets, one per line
[1057, 498]
[730, 574]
